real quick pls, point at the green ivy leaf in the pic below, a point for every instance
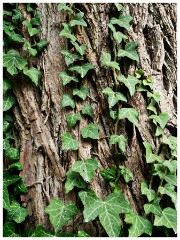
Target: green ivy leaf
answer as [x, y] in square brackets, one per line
[8, 102]
[29, 49]
[150, 157]
[7, 85]
[82, 234]
[113, 114]
[74, 179]
[12, 154]
[108, 211]
[129, 51]
[80, 49]
[6, 126]
[17, 166]
[130, 82]
[139, 73]
[68, 142]
[109, 174]
[171, 165]
[162, 119]
[106, 61]
[139, 226]
[118, 36]
[91, 131]
[113, 97]
[171, 178]
[67, 78]
[82, 93]
[141, 87]
[6, 202]
[21, 187]
[41, 45]
[66, 32]
[172, 143]
[72, 119]
[64, 7]
[86, 169]
[17, 14]
[12, 35]
[88, 110]
[130, 113]
[17, 213]
[13, 61]
[82, 70]
[148, 82]
[67, 101]
[41, 232]
[159, 131]
[156, 96]
[9, 179]
[33, 73]
[121, 140]
[167, 219]
[127, 174]
[78, 20]
[6, 144]
[36, 20]
[32, 31]
[9, 230]
[150, 193]
[119, 6]
[122, 21]
[168, 189]
[153, 207]
[60, 213]
[151, 106]
[70, 57]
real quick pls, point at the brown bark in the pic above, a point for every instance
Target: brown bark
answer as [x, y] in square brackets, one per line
[41, 119]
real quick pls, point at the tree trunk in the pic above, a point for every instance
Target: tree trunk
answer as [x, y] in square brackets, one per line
[41, 119]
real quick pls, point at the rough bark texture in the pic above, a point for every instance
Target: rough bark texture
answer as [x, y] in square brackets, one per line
[41, 119]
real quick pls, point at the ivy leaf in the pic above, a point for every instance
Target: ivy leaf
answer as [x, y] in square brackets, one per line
[118, 36]
[82, 70]
[74, 180]
[86, 169]
[66, 32]
[81, 49]
[113, 114]
[12, 154]
[17, 213]
[172, 143]
[33, 73]
[171, 178]
[32, 31]
[9, 230]
[150, 157]
[148, 82]
[108, 211]
[67, 101]
[6, 202]
[151, 106]
[7, 85]
[168, 189]
[82, 93]
[127, 174]
[41, 45]
[167, 219]
[9, 179]
[13, 61]
[159, 131]
[64, 7]
[119, 6]
[6, 144]
[162, 119]
[153, 207]
[139, 226]
[121, 140]
[29, 49]
[82, 234]
[67, 78]
[129, 82]
[109, 174]
[156, 96]
[106, 61]
[122, 21]
[130, 113]
[88, 110]
[129, 51]
[8, 102]
[171, 165]
[113, 97]
[139, 73]
[78, 20]
[21, 187]
[70, 57]
[60, 213]
[72, 119]
[91, 131]
[68, 142]
[41, 232]
[150, 193]
[15, 166]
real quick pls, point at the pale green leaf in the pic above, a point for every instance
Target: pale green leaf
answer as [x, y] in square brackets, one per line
[151, 106]
[172, 143]
[33, 73]
[153, 207]
[67, 78]
[79, 48]
[82, 93]
[72, 119]
[60, 213]
[82, 70]
[17, 213]
[70, 57]
[88, 110]
[120, 139]
[171, 165]
[148, 82]
[150, 193]
[168, 189]
[113, 114]
[68, 142]
[67, 101]
[161, 119]
[127, 174]
[118, 36]
[139, 73]
[129, 51]
[106, 61]
[29, 49]
[171, 178]
[150, 157]
[66, 32]
[119, 6]
[130, 82]
[9, 230]
[91, 131]
[159, 131]
[7, 85]
[114, 97]
[122, 21]
[130, 113]
[74, 179]
[82, 234]
[156, 96]
[32, 31]
[64, 7]
[78, 20]
[8, 102]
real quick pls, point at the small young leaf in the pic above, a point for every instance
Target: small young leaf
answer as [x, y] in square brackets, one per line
[68, 142]
[153, 207]
[129, 51]
[121, 140]
[41, 45]
[8, 102]
[70, 57]
[127, 174]
[9, 230]
[82, 70]
[119, 6]
[7, 85]
[109, 174]
[13, 61]
[150, 193]
[17, 213]
[130, 113]
[162, 119]
[168, 189]
[64, 7]
[60, 213]
[139, 226]
[12, 154]
[167, 219]
[67, 101]
[72, 119]
[150, 157]
[74, 179]
[41, 232]
[80, 49]
[113, 97]
[29, 49]
[86, 169]
[33, 73]
[122, 21]
[66, 32]
[106, 61]
[148, 82]
[67, 78]
[151, 106]
[82, 234]
[32, 31]
[82, 93]
[113, 114]
[118, 36]
[130, 82]
[139, 73]
[88, 110]
[78, 20]
[91, 131]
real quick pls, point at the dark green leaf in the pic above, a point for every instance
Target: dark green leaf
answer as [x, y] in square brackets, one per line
[70, 57]
[106, 61]
[74, 180]
[6, 202]
[78, 20]
[41, 45]
[129, 51]
[80, 49]
[67, 78]
[91, 131]
[33, 73]
[41, 232]
[113, 97]
[21, 187]
[9, 179]
[12, 154]
[72, 119]
[66, 32]
[130, 82]
[113, 114]
[32, 31]
[16, 166]
[8, 102]
[67, 101]
[109, 174]
[88, 110]
[17, 213]
[9, 230]
[82, 70]
[82, 93]
[7, 85]
[168, 189]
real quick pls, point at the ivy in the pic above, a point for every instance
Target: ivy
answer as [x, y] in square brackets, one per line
[114, 97]
[74, 179]
[122, 21]
[91, 131]
[130, 113]
[33, 74]
[106, 61]
[66, 32]
[82, 93]
[121, 140]
[67, 101]
[72, 119]
[67, 78]
[87, 110]
[82, 70]
[129, 51]
[130, 82]
[78, 20]
[68, 142]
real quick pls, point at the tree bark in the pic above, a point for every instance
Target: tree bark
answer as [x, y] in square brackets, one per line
[41, 119]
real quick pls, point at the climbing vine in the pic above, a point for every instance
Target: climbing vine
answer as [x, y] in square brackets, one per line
[163, 180]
